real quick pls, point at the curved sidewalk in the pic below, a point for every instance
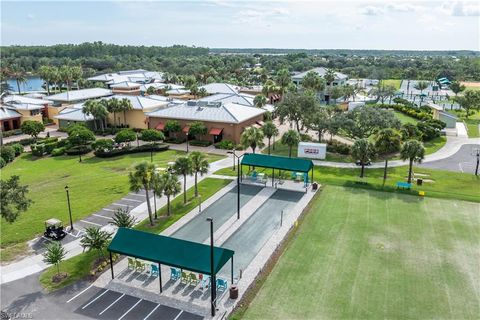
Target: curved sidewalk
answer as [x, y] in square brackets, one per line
[451, 147]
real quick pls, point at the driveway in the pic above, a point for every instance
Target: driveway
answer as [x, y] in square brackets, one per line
[462, 161]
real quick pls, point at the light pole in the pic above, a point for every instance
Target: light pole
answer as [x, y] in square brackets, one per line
[477, 154]
[238, 181]
[213, 284]
[187, 142]
[233, 152]
[69, 208]
[199, 203]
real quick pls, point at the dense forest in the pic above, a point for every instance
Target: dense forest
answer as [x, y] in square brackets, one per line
[233, 65]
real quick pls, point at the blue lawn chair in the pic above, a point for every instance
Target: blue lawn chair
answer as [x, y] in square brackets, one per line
[175, 274]
[205, 282]
[155, 272]
[222, 284]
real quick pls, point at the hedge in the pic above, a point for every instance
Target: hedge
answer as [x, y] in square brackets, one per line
[7, 153]
[75, 151]
[128, 150]
[227, 145]
[200, 143]
[58, 152]
[338, 147]
[413, 112]
[18, 148]
[10, 133]
[175, 140]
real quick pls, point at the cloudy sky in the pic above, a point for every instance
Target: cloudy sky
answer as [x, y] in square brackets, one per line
[417, 25]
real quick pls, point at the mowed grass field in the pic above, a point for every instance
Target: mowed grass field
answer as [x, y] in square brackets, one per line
[373, 255]
[93, 184]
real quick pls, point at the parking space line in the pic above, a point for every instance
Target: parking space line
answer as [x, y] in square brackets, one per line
[100, 216]
[135, 200]
[76, 296]
[148, 315]
[112, 304]
[106, 209]
[94, 299]
[120, 204]
[130, 309]
[136, 194]
[96, 224]
[178, 315]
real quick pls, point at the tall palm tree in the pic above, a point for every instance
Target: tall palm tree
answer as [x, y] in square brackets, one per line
[283, 80]
[77, 74]
[363, 150]
[269, 130]
[252, 137]
[112, 106]
[387, 142]
[66, 76]
[290, 138]
[329, 78]
[100, 112]
[259, 101]
[88, 108]
[19, 75]
[199, 165]
[45, 73]
[56, 78]
[171, 187]
[183, 166]
[270, 87]
[125, 105]
[414, 151]
[143, 177]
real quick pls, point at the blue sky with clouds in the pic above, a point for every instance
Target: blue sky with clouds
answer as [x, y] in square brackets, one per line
[417, 25]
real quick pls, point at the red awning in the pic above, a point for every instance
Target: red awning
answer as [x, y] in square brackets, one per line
[216, 131]
[186, 129]
[160, 126]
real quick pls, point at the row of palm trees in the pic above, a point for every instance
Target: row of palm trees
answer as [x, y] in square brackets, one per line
[146, 176]
[66, 75]
[100, 109]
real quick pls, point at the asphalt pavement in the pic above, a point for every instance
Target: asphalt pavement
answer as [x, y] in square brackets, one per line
[462, 161]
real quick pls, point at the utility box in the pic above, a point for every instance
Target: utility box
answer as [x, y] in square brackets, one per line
[312, 150]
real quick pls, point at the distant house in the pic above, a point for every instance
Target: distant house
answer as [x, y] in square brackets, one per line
[126, 87]
[239, 98]
[138, 76]
[223, 121]
[340, 80]
[10, 119]
[72, 115]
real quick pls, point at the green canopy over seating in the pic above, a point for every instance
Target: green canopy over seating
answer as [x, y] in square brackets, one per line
[174, 252]
[276, 162]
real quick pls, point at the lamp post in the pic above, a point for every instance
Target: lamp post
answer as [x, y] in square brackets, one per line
[187, 142]
[213, 283]
[69, 208]
[238, 180]
[233, 152]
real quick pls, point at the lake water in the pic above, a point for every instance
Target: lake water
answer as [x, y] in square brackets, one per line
[32, 84]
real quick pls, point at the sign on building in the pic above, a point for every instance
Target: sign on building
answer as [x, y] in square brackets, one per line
[312, 150]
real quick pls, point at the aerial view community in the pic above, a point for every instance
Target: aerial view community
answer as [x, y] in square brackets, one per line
[240, 160]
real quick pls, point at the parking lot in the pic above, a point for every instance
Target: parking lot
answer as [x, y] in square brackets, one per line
[99, 303]
[462, 161]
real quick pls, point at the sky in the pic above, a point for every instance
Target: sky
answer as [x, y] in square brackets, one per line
[355, 24]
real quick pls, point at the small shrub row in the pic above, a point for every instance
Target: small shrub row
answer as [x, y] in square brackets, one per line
[75, 151]
[417, 113]
[228, 145]
[8, 153]
[178, 140]
[127, 150]
[23, 142]
[10, 133]
[46, 146]
[200, 143]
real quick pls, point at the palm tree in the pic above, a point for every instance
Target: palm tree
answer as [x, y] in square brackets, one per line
[67, 75]
[123, 219]
[125, 105]
[100, 112]
[45, 73]
[414, 151]
[56, 78]
[143, 177]
[329, 78]
[183, 166]
[290, 138]
[19, 75]
[270, 87]
[87, 109]
[387, 141]
[199, 165]
[95, 239]
[421, 85]
[269, 130]
[363, 150]
[252, 137]
[283, 80]
[77, 74]
[259, 101]
[171, 187]
[54, 254]
[112, 106]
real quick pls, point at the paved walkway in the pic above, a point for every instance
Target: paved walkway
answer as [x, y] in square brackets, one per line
[34, 263]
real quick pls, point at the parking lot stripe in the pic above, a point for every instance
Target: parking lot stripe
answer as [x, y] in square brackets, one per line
[106, 209]
[112, 304]
[130, 309]
[96, 224]
[135, 200]
[148, 315]
[95, 299]
[121, 204]
[100, 216]
[136, 194]
[76, 296]
[178, 315]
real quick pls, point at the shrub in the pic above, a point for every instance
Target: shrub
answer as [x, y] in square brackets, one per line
[10, 133]
[18, 148]
[225, 144]
[58, 152]
[200, 143]
[239, 147]
[7, 153]
[48, 147]
[103, 145]
[75, 151]
[49, 140]
[38, 150]
[2, 163]
[125, 135]
[176, 140]
[23, 142]
[127, 150]
[62, 143]
[338, 147]
[428, 132]
[305, 137]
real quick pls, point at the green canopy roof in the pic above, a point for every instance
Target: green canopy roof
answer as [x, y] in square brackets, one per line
[282, 163]
[174, 252]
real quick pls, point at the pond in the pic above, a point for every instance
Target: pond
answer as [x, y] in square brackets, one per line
[32, 84]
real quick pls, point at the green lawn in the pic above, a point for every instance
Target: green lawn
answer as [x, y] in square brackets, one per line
[206, 188]
[93, 184]
[442, 184]
[404, 119]
[362, 254]
[282, 150]
[434, 145]
[392, 82]
[472, 123]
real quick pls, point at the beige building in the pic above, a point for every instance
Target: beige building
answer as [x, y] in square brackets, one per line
[16, 109]
[223, 121]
